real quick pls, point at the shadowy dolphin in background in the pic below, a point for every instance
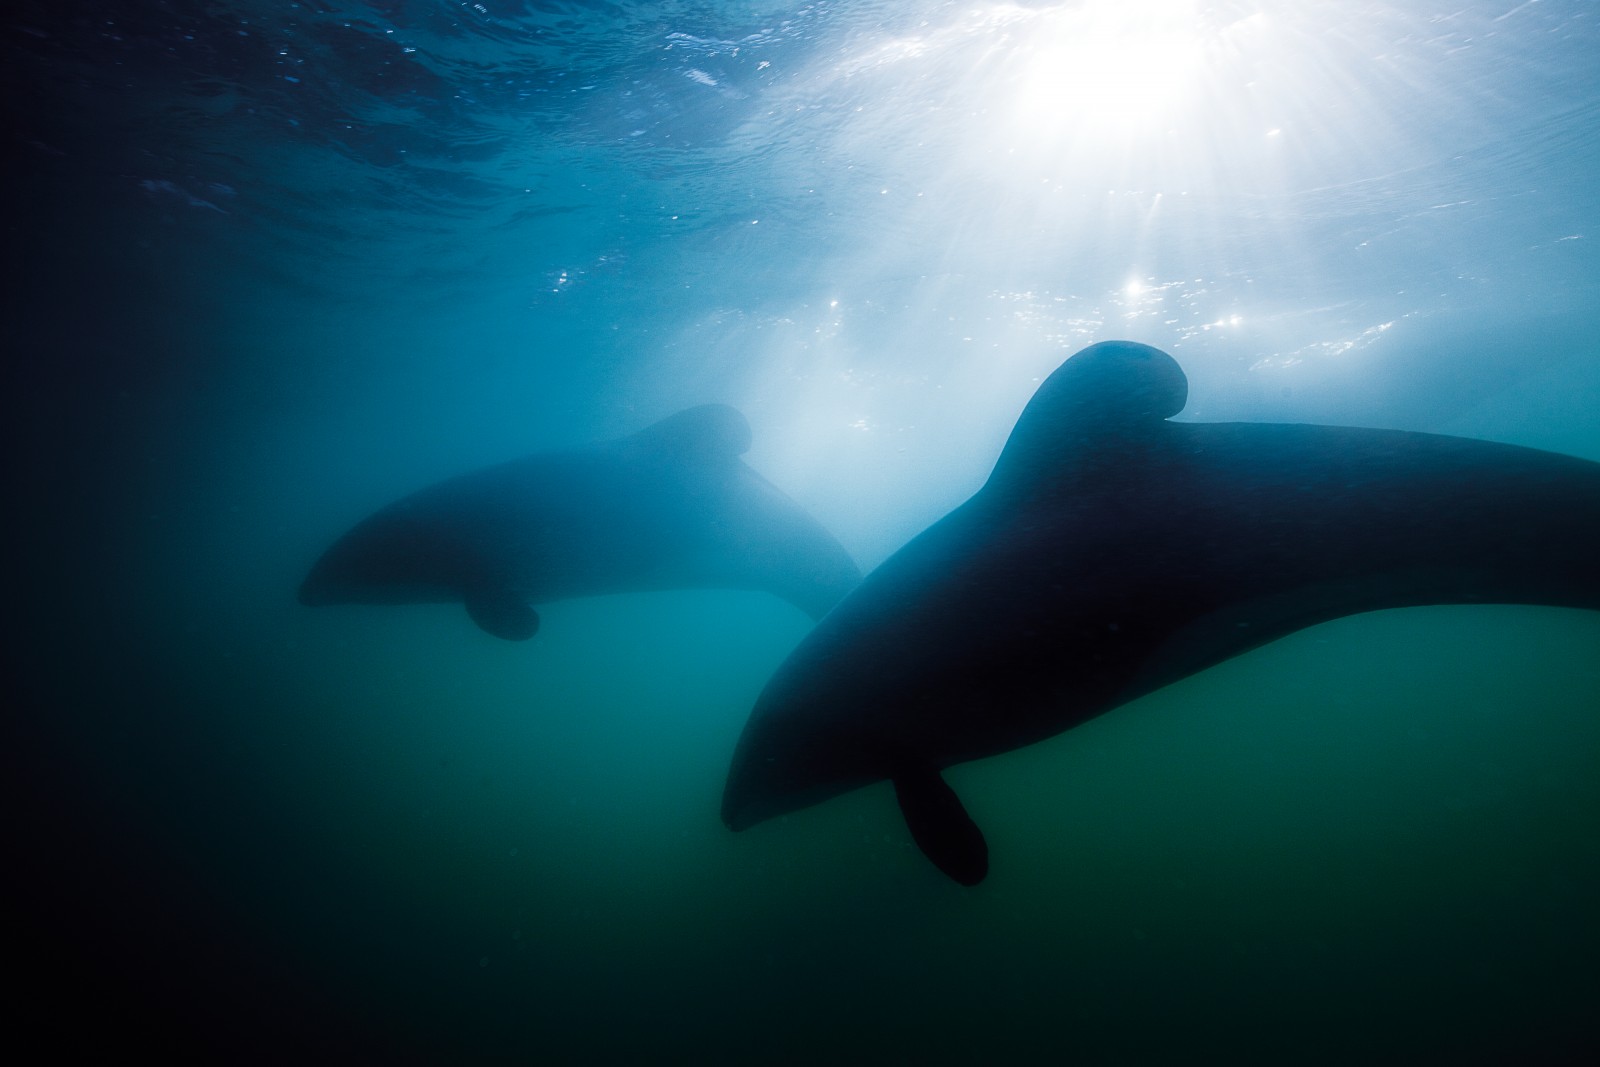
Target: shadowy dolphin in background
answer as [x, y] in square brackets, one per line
[1113, 552]
[670, 507]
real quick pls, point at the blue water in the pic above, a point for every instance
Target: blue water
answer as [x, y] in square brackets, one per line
[270, 265]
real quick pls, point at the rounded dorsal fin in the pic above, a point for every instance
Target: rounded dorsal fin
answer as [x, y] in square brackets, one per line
[1099, 394]
[709, 431]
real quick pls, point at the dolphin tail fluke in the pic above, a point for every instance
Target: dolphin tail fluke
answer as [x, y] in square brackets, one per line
[941, 827]
[821, 580]
[790, 553]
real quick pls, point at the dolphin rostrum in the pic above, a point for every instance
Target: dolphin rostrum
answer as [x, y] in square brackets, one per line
[1113, 552]
[670, 507]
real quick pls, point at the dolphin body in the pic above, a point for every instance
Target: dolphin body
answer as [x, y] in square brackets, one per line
[670, 507]
[1112, 552]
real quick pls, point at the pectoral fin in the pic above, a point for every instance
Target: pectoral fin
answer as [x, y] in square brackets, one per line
[502, 613]
[941, 827]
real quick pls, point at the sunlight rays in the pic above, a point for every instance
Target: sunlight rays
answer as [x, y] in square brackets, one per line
[978, 190]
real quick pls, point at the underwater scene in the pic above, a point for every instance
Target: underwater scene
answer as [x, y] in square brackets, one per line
[575, 532]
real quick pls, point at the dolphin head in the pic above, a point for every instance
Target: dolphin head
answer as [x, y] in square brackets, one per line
[800, 746]
[386, 559]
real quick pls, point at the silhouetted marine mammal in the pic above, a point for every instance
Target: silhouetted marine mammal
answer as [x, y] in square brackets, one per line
[1112, 552]
[670, 507]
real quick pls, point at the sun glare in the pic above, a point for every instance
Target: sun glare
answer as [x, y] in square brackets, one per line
[1115, 65]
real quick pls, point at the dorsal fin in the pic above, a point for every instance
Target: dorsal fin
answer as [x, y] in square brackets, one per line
[1106, 391]
[706, 432]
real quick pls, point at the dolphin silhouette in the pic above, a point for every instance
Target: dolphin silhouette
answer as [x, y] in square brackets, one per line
[1112, 552]
[670, 507]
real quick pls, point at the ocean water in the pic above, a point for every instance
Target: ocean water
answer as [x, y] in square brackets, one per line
[271, 265]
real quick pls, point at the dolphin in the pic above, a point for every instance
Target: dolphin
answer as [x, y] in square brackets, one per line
[1113, 551]
[670, 507]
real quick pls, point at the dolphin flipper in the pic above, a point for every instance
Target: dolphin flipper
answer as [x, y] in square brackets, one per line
[940, 825]
[501, 613]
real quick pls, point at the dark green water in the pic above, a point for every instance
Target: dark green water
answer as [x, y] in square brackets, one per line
[251, 831]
